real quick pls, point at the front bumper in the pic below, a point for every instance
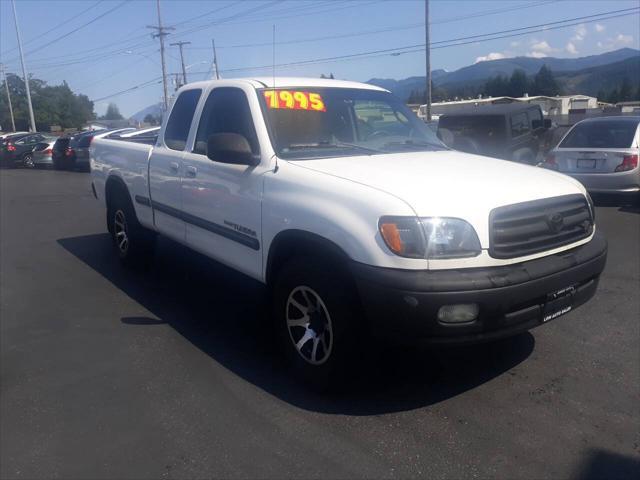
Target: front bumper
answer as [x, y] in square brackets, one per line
[404, 304]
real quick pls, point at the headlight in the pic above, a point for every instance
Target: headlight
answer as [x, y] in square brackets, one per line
[434, 237]
[404, 236]
[592, 208]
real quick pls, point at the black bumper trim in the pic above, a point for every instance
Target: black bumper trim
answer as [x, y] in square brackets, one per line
[404, 303]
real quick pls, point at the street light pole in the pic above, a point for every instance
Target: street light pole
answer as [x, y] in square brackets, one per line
[6, 84]
[428, 59]
[24, 69]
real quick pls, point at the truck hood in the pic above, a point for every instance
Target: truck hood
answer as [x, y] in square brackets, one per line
[448, 183]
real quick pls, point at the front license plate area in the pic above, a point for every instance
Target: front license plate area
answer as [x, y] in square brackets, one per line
[558, 303]
[587, 163]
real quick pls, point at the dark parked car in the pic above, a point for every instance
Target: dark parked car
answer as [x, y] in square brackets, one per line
[509, 131]
[70, 153]
[17, 150]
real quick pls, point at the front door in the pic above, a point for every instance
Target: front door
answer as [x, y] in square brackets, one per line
[221, 201]
[166, 167]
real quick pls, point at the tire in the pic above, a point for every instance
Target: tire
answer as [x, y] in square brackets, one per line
[27, 160]
[134, 244]
[306, 289]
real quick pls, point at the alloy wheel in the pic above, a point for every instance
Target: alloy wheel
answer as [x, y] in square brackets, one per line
[309, 325]
[120, 232]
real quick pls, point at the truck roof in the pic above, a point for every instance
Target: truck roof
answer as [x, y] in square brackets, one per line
[287, 82]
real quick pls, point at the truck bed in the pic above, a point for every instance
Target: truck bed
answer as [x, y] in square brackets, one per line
[127, 160]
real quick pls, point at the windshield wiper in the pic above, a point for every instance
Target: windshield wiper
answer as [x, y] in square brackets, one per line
[413, 143]
[302, 146]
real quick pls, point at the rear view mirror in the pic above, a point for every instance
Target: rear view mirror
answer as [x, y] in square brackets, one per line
[230, 148]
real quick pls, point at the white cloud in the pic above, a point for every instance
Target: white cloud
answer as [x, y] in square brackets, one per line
[599, 28]
[543, 47]
[623, 39]
[535, 54]
[491, 56]
[616, 42]
[581, 32]
[514, 44]
[571, 48]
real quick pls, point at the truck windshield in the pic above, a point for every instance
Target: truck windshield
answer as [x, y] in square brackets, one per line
[328, 122]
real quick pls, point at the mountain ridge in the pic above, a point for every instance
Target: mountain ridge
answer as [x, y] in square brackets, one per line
[478, 73]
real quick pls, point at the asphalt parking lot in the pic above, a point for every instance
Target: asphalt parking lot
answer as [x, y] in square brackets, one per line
[109, 373]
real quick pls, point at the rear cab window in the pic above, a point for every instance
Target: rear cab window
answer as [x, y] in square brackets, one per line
[601, 134]
[179, 122]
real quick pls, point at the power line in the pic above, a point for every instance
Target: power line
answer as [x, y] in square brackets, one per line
[50, 42]
[376, 31]
[447, 43]
[64, 22]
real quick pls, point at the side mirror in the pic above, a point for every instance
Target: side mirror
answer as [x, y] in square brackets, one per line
[230, 148]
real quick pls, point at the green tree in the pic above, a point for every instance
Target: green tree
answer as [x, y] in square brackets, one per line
[112, 113]
[625, 94]
[497, 86]
[518, 83]
[601, 95]
[150, 119]
[544, 83]
[613, 96]
[52, 105]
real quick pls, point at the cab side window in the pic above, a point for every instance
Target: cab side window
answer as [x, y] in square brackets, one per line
[226, 111]
[519, 124]
[179, 123]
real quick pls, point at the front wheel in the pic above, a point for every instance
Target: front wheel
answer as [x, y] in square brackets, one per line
[317, 317]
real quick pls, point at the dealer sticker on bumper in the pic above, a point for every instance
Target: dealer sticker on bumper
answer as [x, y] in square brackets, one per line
[558, 303]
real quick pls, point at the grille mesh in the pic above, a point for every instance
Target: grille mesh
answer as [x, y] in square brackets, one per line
[531, 227]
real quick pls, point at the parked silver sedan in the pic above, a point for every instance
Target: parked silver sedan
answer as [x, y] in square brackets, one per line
[41, 156]
[602, 153]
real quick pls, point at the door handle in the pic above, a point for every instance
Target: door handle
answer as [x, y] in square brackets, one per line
[191, 171]
[173, 166]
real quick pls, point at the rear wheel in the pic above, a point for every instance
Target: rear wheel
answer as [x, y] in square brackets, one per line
[134, 244]
[317, 315]
[27, 160]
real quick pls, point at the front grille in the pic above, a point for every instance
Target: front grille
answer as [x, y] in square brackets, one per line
[531, 227]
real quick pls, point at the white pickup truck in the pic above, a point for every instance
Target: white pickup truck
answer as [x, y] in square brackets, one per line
[353, 213]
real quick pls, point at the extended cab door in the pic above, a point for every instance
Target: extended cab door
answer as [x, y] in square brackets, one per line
[222, 201]
[165, 167]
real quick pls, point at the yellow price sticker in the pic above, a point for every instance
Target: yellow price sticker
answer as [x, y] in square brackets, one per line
[294, 100]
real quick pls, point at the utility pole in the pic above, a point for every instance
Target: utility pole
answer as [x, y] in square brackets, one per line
[215, 59]
[161, 33]
[24, 69]
[6, 84]
[184, 70]
[428, 58]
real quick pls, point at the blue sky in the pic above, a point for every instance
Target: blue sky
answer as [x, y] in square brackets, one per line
[115, 51]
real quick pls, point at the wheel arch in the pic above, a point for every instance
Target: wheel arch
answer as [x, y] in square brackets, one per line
[113, 187]
[290, 243]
